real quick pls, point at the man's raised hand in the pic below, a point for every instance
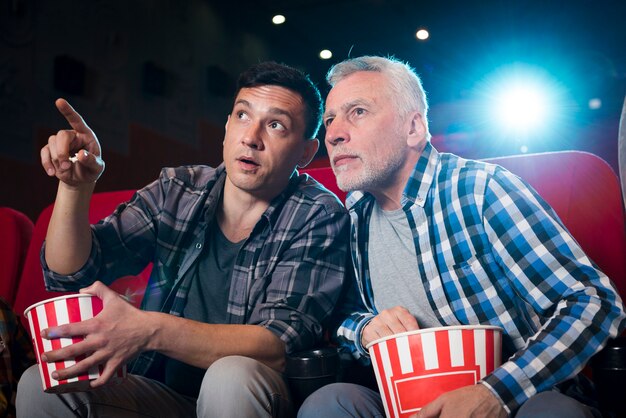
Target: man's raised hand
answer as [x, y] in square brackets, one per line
[80, 141]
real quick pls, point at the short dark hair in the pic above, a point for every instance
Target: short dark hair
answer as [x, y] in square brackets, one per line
[274, 74]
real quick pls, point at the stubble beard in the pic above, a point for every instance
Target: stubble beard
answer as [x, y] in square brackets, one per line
[374, 173]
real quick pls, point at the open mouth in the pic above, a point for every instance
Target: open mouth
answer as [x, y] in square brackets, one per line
[248, 162]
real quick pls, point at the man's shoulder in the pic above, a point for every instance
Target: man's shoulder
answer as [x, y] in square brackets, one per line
[195, 177]
[454, 165]
[451, 161]
[312, 192]
[459, 176]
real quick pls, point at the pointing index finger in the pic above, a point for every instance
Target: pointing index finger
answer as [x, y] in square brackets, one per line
[74, 119]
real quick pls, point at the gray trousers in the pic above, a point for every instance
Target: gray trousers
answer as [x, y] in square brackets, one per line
[350, 400]
[233, 386]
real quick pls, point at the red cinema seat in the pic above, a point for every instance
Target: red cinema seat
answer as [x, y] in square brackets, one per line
[17, 230]
[31, 288]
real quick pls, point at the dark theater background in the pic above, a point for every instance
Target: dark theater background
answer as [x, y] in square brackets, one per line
[154, 78]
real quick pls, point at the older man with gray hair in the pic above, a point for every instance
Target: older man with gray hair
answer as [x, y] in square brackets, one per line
[438, 240]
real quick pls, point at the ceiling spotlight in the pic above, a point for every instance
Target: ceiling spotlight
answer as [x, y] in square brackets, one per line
[325, 54]
[422, 34]
[278, 19]
[595, 103]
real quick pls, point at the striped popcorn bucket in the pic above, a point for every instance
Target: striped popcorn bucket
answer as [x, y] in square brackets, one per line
[414, 368]
[59, 311]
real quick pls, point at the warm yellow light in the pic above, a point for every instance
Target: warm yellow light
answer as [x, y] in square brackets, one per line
[422, 34]
[278, 19]
[325, 54]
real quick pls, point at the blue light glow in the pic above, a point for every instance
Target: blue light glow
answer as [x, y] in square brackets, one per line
[522, 102]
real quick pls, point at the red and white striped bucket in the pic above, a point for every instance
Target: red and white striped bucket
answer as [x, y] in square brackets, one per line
[414, 368]
[59, 311]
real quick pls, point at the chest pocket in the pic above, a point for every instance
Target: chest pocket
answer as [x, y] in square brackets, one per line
[473, 290]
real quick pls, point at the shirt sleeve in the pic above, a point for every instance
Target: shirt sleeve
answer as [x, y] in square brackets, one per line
[307, 280]
[122, 243]
[577, 304]
[352, 316]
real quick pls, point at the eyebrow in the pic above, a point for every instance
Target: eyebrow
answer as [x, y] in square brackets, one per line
[347, 106]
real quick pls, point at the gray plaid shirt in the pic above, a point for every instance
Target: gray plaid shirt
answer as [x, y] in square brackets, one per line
[287, 276]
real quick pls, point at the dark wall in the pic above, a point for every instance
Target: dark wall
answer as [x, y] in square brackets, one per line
[153, 78]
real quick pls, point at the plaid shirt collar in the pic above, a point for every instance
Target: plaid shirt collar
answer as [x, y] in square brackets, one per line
[417, 186]
[272, 212]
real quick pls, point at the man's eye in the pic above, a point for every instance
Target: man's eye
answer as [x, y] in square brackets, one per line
[328, 121]
[277, 125]
[242, 115]
[359, 111]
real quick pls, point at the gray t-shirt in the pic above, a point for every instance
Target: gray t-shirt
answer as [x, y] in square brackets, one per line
[207, 302]
[393, 267]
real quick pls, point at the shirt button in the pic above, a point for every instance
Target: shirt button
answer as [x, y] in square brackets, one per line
[420, 200]
[198, 246]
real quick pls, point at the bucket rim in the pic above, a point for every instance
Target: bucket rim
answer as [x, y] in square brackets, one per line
[43, 302]
[433, 329]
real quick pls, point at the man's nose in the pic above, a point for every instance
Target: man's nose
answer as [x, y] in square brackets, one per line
[336, 132]
[252, 136]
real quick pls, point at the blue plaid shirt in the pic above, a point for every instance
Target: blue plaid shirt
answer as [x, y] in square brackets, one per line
[503, 258]
[287, 276]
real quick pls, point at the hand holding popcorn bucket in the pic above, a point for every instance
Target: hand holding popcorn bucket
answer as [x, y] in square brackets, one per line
[59, 311]
[414, 368]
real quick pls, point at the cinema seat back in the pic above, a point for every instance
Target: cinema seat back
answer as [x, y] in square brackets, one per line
[16, 230]
[31, 287]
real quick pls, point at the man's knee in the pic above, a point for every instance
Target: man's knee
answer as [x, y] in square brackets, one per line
[320, 402]
[30, 381]
[30, 395]
[236, 383]
[232, 372]
[342, 400]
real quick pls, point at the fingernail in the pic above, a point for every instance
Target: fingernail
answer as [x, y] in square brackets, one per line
[51, 171]
[55, 375]
[65, 165]
[44, 358]
[85, 153]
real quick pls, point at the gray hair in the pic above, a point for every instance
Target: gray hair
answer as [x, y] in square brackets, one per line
[406, 86]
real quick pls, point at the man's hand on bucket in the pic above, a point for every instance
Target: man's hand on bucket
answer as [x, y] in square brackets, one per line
[475, 401]
[388, 322]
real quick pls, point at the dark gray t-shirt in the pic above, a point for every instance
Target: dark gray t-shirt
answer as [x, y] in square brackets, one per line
[206, 302]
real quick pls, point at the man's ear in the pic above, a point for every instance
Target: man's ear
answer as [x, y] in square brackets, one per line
[417, 130]
[310, 149]
[226, 127]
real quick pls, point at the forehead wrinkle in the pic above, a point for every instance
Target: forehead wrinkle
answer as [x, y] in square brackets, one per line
[279, 111]
[272, 110]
